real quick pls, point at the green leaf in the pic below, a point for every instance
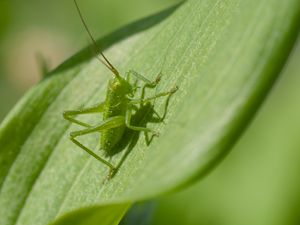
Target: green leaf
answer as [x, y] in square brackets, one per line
[110, 215]
[259, 182]
[223, 55]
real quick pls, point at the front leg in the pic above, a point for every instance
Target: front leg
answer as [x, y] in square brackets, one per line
[147, 82]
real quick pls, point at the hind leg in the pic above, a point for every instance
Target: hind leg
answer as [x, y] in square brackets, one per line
[110, 123]
[69, 115]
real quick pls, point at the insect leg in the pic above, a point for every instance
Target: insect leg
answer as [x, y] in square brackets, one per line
[161, 118]
[136, 101]
[148, 139]
[138, 76]
[92, 153]
[69, 115]
[144, 79]
[107, 124]
[128, 123]
[158, 118]
[128, 76]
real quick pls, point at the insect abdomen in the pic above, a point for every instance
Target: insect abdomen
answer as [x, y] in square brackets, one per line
[116, 105]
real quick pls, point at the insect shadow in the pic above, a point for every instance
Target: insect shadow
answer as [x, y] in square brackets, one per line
[144, 114]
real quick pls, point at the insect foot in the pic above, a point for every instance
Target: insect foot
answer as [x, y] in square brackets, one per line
[174, 89]
[155, 133]
[112, 172]
[157, 79]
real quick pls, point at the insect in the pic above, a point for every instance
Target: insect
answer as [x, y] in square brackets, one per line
[117, 109]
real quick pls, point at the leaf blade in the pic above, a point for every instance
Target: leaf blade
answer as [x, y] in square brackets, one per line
[204, 118]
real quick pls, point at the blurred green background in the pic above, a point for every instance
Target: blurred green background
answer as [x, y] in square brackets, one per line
[51, 31]
[257, 184]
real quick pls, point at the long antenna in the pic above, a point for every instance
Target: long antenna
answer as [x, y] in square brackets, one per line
[96, 49]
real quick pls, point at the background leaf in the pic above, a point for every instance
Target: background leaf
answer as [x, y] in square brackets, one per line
[224, 55]
[110, 215]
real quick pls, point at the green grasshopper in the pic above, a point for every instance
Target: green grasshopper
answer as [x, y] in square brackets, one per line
[117, 108]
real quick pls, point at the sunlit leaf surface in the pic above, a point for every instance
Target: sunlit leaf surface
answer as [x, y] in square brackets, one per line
[223, 55]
